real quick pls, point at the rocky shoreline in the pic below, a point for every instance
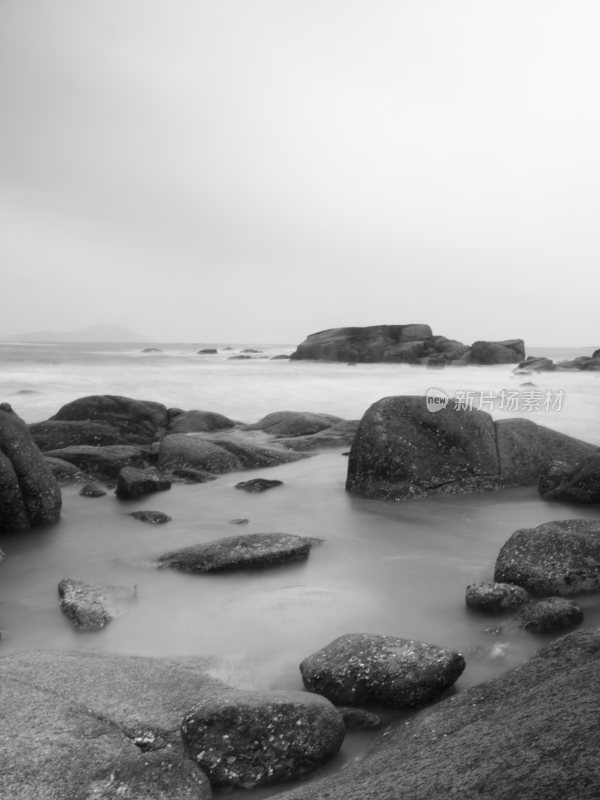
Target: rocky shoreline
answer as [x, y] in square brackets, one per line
[117, 726]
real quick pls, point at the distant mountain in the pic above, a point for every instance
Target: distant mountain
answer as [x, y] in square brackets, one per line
[95, 333]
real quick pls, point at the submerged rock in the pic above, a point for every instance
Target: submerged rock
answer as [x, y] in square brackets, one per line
[248, 739]
[258, 485]
[361, 668]
[92, 489]
[531, 733]
[89, 606]
[247, 551]
[29, 492]
[133, 482]
[550, 615]
[151, 517]
[495, 597]
[556, 558]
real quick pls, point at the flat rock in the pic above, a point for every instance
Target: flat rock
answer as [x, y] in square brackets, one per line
[556, 558]
[340, 434]
[294, 423]
[103, 463]
[551, 615]
[360, 668]
[83, 726]
[248, 739]
[531, 734]
[90, 606]
[199, 422]
[29, 492]
[495, 597]
[133, 482]
[247, 551]
[258, 485]
[54, 434]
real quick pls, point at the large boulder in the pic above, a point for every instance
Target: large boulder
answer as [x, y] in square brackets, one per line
[531, 733]
[248, 551]
[53, 434]
[556, 558]
[572, 483]
[29, 492]
[97, 726]
[359, 344]
[403, 450]
[551, 615]
[509, 351]
[103, 463]
[360, 668]
[248, 739]
[134, 421]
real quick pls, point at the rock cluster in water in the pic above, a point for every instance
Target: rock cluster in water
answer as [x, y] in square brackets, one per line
[405, 344]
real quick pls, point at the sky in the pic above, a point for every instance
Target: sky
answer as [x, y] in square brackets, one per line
[258, 170]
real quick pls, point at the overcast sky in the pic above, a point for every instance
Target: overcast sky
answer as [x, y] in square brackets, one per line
[257, 170]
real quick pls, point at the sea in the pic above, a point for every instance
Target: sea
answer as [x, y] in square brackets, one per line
[384, 567]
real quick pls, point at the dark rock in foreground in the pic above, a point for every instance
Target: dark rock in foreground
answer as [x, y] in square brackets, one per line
[530, 734]
[556, 558]
[248, 739]
[247, 551]
[551, 615]
[572, 483]
[360, 668]
[402, 450]
[89, 606]
[258, 485]
[495, 597]
[29, 492]
[78, 726]
[133, 482]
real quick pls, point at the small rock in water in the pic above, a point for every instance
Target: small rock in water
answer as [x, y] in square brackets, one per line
[495, 597]
[357, 719]
[134, 482]
[549, 615]
[239, 521]
[258, 485]
[151, 517]
[92, 489]
[84, 604]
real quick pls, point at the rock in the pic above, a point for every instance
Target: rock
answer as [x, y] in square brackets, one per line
[280, 357]
[509, 351]
[359, 344]
[92, 489]
[239, 358]
[151, 350]
[250, 350]
[556, 558]
[151, 517]
[208, 351]
[536, 364]
[179, 450]
[133, 482]
[190, 475]
[551, 615]
[532, 733]
[293, 423]
[239, 521]
[29, 492]
[135, 421]
[257, 485]
[361, 668]
[249, 739]
[64, 472]
[357, 719]
[495, 597]
[525, 450]
[403, 450]
[78, 725]
[248, 551]
[579, 483]
[199, 422]
[591, 363]
[339, 435]
[55, 434]
[89, 606]
[103, 463]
